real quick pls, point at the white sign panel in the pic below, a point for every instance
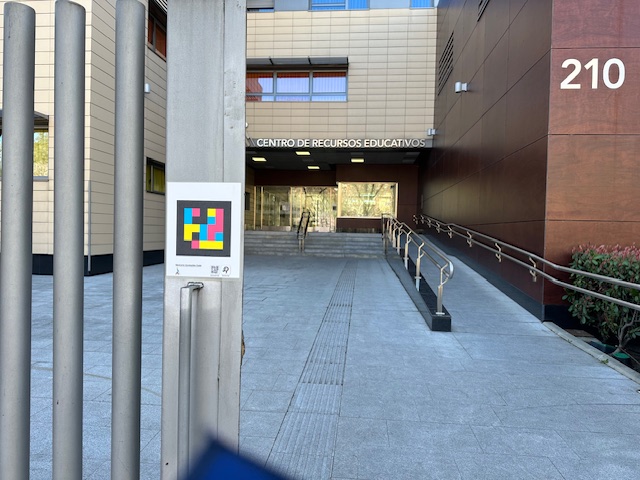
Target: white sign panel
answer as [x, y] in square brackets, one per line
[204, 222]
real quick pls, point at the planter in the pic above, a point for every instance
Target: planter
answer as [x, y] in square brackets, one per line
[603, 347]
[622, 358]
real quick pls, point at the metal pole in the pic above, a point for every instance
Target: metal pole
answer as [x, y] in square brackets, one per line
[16, 237]
[68, 258]
[127, 252]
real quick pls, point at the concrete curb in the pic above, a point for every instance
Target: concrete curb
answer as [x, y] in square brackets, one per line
[594, 352]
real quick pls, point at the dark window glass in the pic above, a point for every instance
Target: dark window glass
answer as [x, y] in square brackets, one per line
[157, 29]
[155, 177]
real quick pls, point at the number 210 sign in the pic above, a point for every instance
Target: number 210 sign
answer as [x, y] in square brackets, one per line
[611, 81]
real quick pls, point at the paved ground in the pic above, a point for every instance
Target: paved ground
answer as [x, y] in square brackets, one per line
[343, 380]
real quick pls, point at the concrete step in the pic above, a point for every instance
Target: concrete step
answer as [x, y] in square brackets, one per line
[317, 244]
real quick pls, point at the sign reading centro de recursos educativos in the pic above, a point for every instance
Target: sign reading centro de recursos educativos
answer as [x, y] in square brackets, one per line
[339, 142]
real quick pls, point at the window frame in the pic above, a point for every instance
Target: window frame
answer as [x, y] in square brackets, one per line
[151, 166]
[310, 95]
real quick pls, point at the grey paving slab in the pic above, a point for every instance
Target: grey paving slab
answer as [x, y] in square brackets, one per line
[345, 381]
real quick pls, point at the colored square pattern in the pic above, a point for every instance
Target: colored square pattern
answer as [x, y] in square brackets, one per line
[204, 228]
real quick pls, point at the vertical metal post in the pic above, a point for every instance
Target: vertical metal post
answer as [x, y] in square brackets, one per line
[127, 255]
[184, 374]
[439, 300]
[89, 226]
[68, 258]
[406, 251]
[16, 237]
[205, 144]
[418, 262]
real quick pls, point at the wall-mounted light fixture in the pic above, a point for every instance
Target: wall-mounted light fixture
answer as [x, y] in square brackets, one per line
[431, 132]
[461, 87]
[147, 88]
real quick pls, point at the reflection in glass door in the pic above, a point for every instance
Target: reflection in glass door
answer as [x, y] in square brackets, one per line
[280, 208]
[321, 202]
[276, 208]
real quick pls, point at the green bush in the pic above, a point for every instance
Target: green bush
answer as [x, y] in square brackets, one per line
[613, 322]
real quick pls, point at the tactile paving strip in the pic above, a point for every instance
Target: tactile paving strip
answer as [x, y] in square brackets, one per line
[302, 449]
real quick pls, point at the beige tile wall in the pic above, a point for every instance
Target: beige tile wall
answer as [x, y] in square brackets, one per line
[391, 77]
[99, 130]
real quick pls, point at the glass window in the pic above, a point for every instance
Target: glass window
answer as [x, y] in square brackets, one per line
[259, 86]
[329, 87]
[155, 177]
[358, 4]
[292, 83]
[421, 3]
[328, 4]
[292, 87]
[40, 153]
[157, 29]
[296, 86]
[366, 200]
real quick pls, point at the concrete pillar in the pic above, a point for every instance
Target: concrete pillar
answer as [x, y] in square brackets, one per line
[205, 143]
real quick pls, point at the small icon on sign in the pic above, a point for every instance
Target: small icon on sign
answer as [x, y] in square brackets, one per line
[225, 271]
[214, 269]
[177, 271]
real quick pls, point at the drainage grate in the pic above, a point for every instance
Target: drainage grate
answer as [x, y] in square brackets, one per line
[305, 442]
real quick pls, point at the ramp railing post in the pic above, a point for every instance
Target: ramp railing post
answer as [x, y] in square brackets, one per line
[16, 238]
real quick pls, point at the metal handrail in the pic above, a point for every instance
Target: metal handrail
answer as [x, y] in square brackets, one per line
[393, 229]
[303, 226]
[184, 371]
[534, 260]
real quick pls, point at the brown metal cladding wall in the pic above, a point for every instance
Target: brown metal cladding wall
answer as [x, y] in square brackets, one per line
[593, 189]
[489, 168]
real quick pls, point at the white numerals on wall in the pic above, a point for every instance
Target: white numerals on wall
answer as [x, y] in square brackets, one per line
[593, 65]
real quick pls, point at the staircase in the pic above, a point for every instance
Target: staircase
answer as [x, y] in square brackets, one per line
[317, 244]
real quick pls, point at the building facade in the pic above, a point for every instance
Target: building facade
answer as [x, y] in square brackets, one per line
[541, 150]
[339, 102]
[99, 133]
[353, 111]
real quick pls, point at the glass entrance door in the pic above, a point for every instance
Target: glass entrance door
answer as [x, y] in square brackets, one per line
[321, 202]
[276, 208]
